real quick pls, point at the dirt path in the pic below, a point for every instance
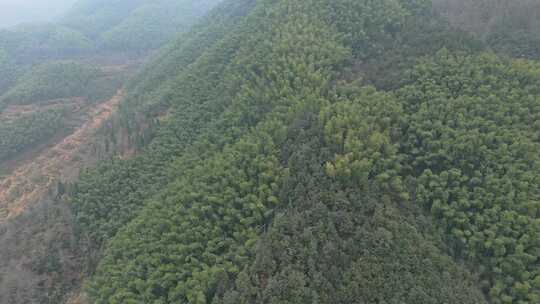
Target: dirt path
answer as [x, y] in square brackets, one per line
[32, 180]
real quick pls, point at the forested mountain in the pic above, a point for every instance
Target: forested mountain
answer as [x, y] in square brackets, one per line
[315, 151]
[96, 27]
[60, 86]
[41, 63]
[279, 176]
[134, 24]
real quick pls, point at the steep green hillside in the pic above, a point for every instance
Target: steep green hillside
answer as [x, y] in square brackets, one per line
[274, 175]
[54, 79]
[471, 143]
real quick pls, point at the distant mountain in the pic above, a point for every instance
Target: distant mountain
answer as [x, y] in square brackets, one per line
[134, 24]
[30, 11]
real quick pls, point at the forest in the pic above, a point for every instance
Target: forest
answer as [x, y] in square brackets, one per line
[54, 80]
[58, 62]
[315, 151]
[18, 134]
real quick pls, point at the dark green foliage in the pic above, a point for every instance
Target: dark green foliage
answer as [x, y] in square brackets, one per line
[274, 176]
[53, 80]
[516, 29]
[204, 224]
[189, 63]
[39, 264]
[343, 237]
[19, 134]
[472, 141]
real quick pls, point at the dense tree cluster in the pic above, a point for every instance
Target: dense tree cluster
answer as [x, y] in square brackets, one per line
[17, 135]
[471, 141]
[347, 234]
[316, 151]
[278, 177]
[126, 184]
[45, 69]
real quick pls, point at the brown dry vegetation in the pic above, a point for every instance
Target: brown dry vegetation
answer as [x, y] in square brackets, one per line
[41, 260]
[31, 181]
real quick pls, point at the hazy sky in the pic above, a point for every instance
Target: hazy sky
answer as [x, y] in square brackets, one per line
[13, 12]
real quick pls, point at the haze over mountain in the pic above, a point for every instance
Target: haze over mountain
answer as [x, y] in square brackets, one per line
[14, 12]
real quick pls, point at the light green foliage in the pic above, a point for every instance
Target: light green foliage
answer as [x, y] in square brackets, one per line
[364, 149]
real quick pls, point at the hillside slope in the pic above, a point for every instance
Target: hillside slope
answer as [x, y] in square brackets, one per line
[315, 151]
[59, 93]
[277, 176]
